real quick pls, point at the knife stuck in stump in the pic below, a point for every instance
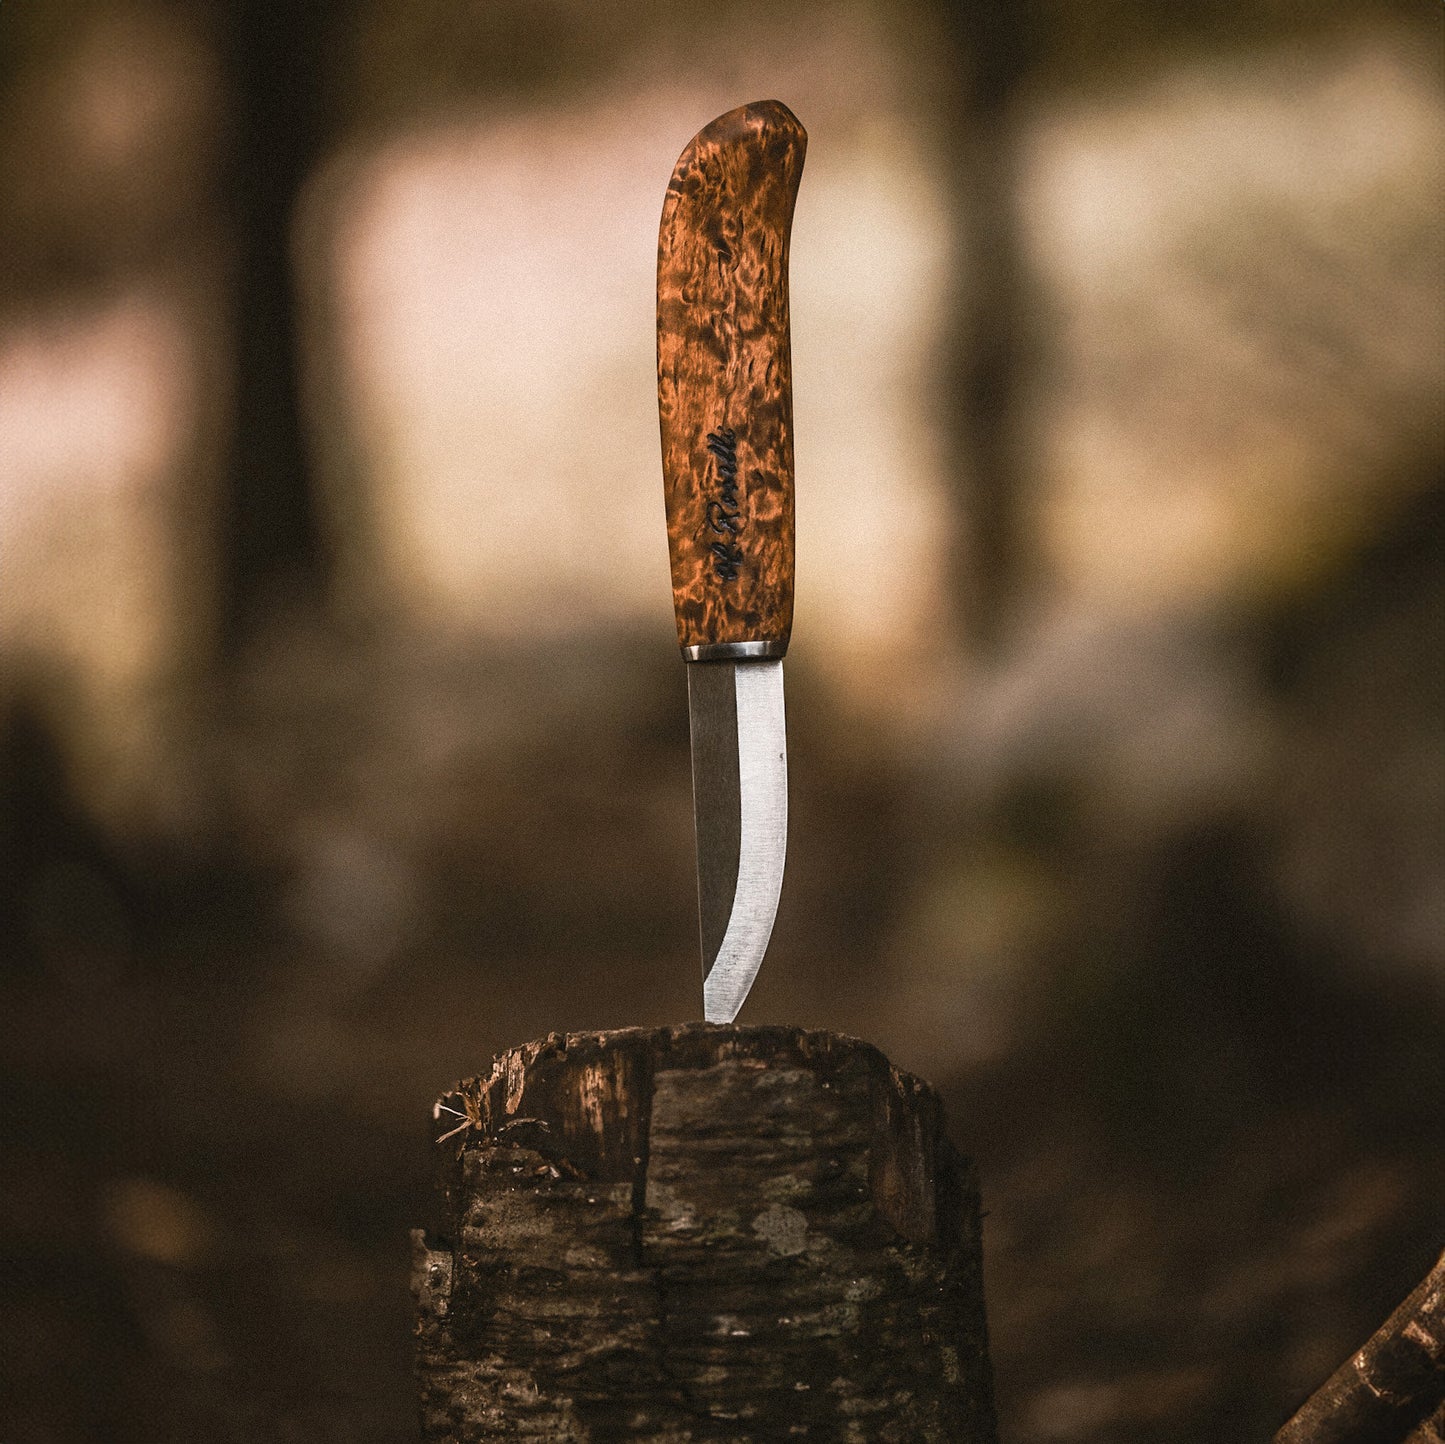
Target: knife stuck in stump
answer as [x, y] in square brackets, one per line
[702, 1232]
[725, 400]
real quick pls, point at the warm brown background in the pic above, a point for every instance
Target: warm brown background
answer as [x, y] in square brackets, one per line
[344, 735]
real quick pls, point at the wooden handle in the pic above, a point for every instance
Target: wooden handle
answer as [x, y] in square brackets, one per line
[725, 380]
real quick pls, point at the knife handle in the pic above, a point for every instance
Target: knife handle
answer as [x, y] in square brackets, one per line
[725, 382]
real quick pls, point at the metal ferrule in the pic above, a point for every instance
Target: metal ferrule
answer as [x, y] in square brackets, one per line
[735, 652]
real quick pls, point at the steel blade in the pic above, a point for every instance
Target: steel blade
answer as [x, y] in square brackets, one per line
[740, 811]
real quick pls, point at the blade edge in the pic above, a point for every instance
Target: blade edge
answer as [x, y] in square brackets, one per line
[763, 787]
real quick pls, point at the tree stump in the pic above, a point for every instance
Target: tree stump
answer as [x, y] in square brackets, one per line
[701, 1233]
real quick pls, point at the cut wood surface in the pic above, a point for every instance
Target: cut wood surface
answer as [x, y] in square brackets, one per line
[1390, 1391]
[701, 1233]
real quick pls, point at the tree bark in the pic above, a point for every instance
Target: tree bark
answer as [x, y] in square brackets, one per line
[1392, 1386]
[701, 1233]
[1432, 1431]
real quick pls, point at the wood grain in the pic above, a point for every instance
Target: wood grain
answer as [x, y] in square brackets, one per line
[701, 1233]
[724, 376]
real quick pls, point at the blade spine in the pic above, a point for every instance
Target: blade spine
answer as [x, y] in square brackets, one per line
[716, 801]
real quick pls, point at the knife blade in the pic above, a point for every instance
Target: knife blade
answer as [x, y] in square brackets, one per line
[725, 402]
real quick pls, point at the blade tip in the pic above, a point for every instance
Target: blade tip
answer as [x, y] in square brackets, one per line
[718, 1011]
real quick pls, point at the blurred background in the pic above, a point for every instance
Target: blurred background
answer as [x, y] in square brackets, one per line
[343, 734]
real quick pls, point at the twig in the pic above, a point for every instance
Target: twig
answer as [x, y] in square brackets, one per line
[1390, 1386]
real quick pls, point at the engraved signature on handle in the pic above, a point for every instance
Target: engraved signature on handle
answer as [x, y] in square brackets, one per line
[724, 515]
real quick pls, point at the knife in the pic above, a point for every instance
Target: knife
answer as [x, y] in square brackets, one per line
[725, 400]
